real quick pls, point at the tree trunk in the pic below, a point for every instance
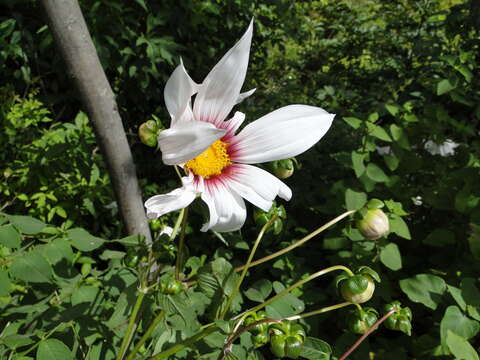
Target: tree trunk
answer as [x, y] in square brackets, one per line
[75, 44]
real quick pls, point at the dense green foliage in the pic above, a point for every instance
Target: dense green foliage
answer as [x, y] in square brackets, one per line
[402, 77]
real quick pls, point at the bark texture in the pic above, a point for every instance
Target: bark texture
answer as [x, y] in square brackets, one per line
[71, 35]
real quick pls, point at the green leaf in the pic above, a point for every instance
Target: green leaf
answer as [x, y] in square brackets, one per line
[259, 290]
[53, 349]
[355, 200]
[457, 296]
[425, 289]
[26, 224]
[391, 161]
[353, 122]
[9, 236]
[357, 162]
[460, 348]
[132, 240]
[392, 109]
[83, 240]
[444, 86]
[399, 226]
[454, 320]
[390, 257]
[284, 306]
[57, 250]
[375, 173]
[315, 349]
[84, 294]
[32, 267]
[4, 283]
[378, 132]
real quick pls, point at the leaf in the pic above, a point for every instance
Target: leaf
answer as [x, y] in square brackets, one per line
[392, 109]
[391, 161]
[84, 294]
[440, 237]
[4, 283]
[259, 290]
[390, 257]
[57, 250]
[444, 86]
[83, 240]
[375, 173]
[355, 200]
[9, 236]
[26, 224]
[425, 289]
[32, 267]
[285, 305]
[357, 162]
[315, 349]
[460, 347]
[353, 122]
[132, 240]
[53, 349]
[454, 320]
[378, 132]
[399, 226]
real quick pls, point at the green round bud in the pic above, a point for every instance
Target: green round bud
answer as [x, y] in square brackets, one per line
[260, 339]
[357, 289]
[293, 346]
[155, 224]
[148, 133]
[170, 286]
[277, 345]
[131, 259]
[282, 169]
[374, 224]
[359, 321]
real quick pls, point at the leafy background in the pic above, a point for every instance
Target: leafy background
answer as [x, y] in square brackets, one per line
[401, 77]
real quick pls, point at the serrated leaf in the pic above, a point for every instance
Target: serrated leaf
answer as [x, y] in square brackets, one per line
[53, 349]
[83, 240]
[32, 267]
[390, 257]
[425, 289]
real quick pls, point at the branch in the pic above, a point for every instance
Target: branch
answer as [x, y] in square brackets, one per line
[75, 44]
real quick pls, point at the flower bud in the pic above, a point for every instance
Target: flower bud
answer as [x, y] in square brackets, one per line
[360, 320]
[357, 289]
[286, 340]
[148, 133]
[170, 286]
[282, 169]
[374, 224]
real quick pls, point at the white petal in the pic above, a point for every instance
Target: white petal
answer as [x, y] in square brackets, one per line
[256, 185]
[244, 95]
[282, 134]
[233, 124]
[178, 91]
[227, 209]
[187, 140]
[221, 88]
[177, 199]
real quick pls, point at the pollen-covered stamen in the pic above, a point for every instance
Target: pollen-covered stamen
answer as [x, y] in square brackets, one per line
[210, 162]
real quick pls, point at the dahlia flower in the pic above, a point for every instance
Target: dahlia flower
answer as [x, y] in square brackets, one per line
[218, 161]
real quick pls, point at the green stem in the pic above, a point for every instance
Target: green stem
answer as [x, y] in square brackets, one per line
[245, 268]
[147, 334]
[132, 325]
[34, 346]
[300, 283]
[181, 245]
[177, 224]
[318, 311]
[185, 343]
[298, 243]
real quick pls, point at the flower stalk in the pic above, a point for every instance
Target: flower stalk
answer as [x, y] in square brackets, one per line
[181, 245]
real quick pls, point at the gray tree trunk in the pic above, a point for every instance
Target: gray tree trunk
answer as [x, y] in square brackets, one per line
[75, 44]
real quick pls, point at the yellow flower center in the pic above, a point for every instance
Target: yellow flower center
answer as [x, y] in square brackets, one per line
[210, 162]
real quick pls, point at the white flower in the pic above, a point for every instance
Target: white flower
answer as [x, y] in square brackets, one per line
[216, 159]
[446, 148]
